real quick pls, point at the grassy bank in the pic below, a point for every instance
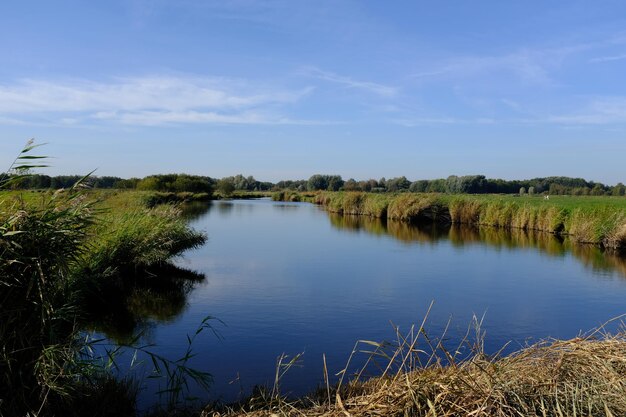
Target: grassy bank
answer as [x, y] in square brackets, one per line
[61, 254]
[577, 377]
[595, 220]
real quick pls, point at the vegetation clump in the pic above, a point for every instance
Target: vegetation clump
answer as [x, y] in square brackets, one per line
[56, 251]
[594, 220]
[584, 376]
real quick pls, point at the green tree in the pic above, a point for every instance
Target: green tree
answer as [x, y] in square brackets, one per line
[317, 182]
[335, 182]
[225, 186]
[618, 190]
[597, 190]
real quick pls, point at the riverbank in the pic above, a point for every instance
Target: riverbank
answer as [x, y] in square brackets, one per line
[587, 220]
[577, 377]
[68, 258]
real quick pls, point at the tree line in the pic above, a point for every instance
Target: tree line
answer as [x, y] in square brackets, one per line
[468, 184]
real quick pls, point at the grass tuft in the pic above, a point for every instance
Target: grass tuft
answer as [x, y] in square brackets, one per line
[584, 376]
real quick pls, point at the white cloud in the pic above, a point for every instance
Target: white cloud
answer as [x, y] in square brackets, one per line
[156, 118]
[172, 99]
[371, 87]
[10, 121]
[609, 58]
[524, 65]
[425, 121]
[600, 111]
[532, 65]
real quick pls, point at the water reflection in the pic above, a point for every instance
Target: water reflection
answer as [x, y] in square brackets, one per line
[135, 306]
[287, 278]
[196, 209]
[594, 258]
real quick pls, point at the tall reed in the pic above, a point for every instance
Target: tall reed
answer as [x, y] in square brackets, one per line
[587, 220]
[422, 376]
[52, 248]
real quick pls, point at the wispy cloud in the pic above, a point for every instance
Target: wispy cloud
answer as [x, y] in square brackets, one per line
[156, 118]
[368, 86]
[532, 65]
[525, 65]
[608, 58]
[600, 111]
[426, 121]
[148, 100]
[10, 121]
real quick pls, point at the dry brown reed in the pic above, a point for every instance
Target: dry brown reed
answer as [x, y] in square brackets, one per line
[584, 376]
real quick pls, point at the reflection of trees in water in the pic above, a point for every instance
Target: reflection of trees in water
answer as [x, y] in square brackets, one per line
[460, 235]
[134, 306]
[286, 206]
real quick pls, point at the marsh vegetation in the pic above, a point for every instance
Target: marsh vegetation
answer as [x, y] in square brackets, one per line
[595, 220]
[67, 257]
[82, 261]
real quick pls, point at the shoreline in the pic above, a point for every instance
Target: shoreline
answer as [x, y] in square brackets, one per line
[599, 224]
[585, 375]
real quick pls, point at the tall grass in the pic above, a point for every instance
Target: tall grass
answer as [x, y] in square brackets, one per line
[421, 375]
[53, 248]
[41, 366]
[596, 220]
[124, 242]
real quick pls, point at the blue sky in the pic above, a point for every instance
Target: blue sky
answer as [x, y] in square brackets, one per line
[287, 89]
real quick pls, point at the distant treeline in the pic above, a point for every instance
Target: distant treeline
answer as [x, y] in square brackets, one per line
[163, 182]
[469, 184]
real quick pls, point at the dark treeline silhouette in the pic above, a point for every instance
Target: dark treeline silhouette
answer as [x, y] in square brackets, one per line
[468, 184]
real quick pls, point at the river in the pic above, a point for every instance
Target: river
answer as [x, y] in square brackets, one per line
[291, 278]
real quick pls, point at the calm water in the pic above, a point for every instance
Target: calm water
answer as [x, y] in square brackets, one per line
[290, 278]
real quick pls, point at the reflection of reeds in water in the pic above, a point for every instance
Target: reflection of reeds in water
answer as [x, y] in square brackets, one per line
[419, 375]
[514, 238]
[599, 260]
[461, 235]
[133, 306]
[357, 223]
[426, 233]
[402, 231]
[196, 209]
[585, 221]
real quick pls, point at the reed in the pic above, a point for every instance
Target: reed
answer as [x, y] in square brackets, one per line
[416, 207]
[123, 242]
[292, 196]
[53, 246]
[584, 376]
[594, 220]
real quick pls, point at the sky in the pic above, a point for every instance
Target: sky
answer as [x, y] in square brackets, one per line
[289, 88]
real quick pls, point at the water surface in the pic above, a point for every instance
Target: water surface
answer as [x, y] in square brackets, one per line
[291, 278]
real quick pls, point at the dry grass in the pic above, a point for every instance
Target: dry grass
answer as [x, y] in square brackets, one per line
[584, 376]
